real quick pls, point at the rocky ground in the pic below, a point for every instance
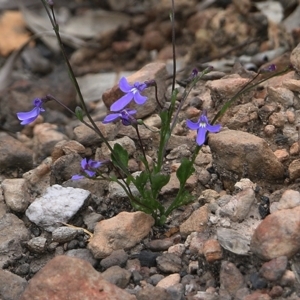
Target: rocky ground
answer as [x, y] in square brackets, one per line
[240, 239]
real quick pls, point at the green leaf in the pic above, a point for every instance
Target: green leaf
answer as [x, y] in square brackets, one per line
[79, 113]
[158, 181]
[141, 180]
[185, 170]
[120, 157]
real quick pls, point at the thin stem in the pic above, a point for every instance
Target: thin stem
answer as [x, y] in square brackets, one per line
[245, 89]
[156, 96]
[74, 80]
[173, 44]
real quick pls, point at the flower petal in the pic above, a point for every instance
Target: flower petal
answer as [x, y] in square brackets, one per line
[139, 99]
[84, 163]
[28, 121]
[90, 173]
[131, 111]
[192, 125]
[213, 128]
[27, 115]
[110, 118]
[124, 85]
[94, 164]
[122, 102]
[201, 136]
[77, 176]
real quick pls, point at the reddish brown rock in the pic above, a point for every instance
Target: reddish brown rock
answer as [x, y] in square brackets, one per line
[212, 251]
[277, 235]
[274, 269]
[67, 277]
[231, 278]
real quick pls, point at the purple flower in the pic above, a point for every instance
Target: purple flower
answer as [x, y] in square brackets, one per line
[131, 92]
[89, 167]
[270, 68]
[202, 127]
[30, 116]
[125, 115]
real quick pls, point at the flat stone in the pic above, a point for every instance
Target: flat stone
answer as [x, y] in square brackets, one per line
[66, 276]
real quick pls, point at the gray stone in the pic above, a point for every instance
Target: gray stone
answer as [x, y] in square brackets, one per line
[12, 286]
[116, 258]
[85, 254]
[118, 276]
[169, 263]
[12, 233]
[37, 244]
[65, 234]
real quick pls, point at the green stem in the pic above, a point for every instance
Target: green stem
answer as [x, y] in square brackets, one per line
[177, 202]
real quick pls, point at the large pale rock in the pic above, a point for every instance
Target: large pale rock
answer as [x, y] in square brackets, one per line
[120, 232]
[277, 235]
[240, 154]
[67, 277]
[57, 205]
[156, 71]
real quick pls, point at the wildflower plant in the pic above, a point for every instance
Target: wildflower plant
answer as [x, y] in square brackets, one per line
[152, 179]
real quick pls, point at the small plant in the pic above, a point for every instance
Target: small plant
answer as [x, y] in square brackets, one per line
[152, 179]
